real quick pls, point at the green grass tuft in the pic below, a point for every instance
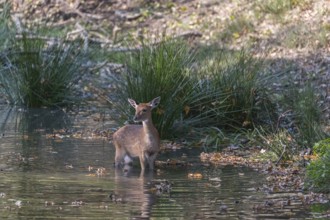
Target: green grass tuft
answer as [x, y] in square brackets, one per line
[281, 143]
[231, 92]
[7, 30]
[37, 74]
[318, 172]
[160, 69]
[303, 102]
[278, 7]
[236, 27]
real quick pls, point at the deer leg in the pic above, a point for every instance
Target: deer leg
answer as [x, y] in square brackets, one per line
[120, 153]
[151, 160]
[142, 161]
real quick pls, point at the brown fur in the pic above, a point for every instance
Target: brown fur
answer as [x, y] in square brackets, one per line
[138, 140]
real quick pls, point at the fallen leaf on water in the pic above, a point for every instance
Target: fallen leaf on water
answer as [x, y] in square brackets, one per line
[195, 175]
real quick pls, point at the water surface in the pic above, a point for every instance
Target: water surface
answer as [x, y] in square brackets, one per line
[48, 176]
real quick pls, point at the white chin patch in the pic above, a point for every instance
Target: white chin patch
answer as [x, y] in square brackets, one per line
[127, 160]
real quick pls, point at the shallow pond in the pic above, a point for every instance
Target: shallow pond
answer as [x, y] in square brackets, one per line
[44, 176]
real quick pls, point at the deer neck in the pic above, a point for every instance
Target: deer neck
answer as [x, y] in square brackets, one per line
[148, 128]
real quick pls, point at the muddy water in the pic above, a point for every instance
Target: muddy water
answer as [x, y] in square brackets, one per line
[44, 176]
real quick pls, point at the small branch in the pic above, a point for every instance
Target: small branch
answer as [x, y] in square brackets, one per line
[18, 23]
[75, 10]
[280, 158]
[82, 32]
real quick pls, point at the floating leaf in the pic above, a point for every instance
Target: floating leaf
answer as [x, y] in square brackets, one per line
[195, 175]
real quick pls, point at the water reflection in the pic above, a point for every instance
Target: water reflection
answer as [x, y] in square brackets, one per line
[45, 177]
[32, 120]
[29, 127]
[134, 189]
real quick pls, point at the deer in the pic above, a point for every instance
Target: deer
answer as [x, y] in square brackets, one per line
[138, 140]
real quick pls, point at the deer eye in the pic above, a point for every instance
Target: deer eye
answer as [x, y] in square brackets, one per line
[144, 110]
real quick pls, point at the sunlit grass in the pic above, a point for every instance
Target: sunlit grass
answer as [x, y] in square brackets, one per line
[302, 36]
[236, 27]
[279, 7]
[318, 172]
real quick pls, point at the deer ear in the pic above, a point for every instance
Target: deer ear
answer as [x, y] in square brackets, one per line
[132, 102]
[155, 102]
